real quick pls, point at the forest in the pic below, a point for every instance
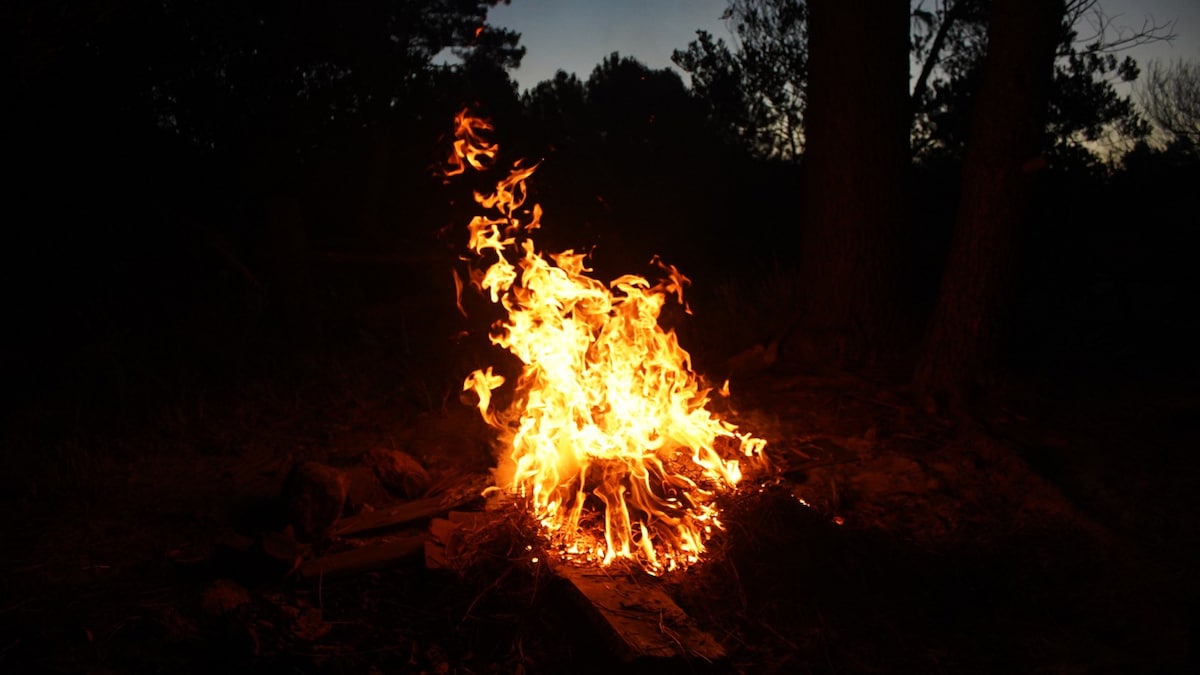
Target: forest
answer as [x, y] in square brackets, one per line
[939, 252]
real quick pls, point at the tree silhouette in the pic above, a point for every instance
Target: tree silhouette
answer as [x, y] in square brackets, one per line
[755, 92]
[558, 109]
[855, 173]
[1170, 95]
[754, 89]
[1002, 159]
[200, 139]
[1086, 110]
[635, 104]
[238, 74]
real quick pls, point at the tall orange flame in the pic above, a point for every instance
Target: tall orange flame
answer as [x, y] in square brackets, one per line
[608, 416]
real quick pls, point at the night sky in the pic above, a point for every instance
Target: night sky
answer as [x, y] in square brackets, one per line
[575, 35]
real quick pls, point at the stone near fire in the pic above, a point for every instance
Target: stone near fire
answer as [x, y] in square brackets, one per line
[313, 496]
[222, 597]
[399, 472]
[316, 495]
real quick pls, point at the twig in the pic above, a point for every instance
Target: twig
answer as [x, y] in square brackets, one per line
[779, 635]
[492, 586]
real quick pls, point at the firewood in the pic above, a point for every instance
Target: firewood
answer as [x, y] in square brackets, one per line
[445, 541]
[643, 622]
[374, 556]
[393, 516]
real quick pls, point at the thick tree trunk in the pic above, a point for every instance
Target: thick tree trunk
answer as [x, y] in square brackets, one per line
[1002, 158]
[855, 174]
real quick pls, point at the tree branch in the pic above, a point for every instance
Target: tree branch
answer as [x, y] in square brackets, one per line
[952, 14]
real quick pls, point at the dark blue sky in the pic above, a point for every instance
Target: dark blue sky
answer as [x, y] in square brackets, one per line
[574, 35]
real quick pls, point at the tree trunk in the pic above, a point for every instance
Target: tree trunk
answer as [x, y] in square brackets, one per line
[855, 174]
[1002, 158]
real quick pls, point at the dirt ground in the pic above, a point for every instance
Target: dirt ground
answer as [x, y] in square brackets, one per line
[1056, 535]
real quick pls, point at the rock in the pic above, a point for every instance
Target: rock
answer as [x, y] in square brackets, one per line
[399, 472]
[282, 549]
[309, 625]
[364, 490]
[314, 496]
[223, 597]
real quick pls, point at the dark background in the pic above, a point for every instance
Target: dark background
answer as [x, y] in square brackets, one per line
[227, 217]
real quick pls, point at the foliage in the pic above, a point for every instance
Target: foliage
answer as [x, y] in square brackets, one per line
[624, 106]
[1170, 95]
[557, 107]
[755, 91]
[754, 88]
[634, 103]
[949, 42]
[1087, 115]
[230, 73]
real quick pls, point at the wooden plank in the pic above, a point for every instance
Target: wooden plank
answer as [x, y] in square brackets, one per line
[644, 622]
[459, 493]
[367, 558]
[393, 516]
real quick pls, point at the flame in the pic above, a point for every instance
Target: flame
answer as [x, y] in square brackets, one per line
[608, 421]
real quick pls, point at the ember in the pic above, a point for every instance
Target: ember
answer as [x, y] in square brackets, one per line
[608, 440]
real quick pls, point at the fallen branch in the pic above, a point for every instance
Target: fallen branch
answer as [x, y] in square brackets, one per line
[392, 516]
[405, 513]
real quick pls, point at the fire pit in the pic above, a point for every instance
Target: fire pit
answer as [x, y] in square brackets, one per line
[608, 441]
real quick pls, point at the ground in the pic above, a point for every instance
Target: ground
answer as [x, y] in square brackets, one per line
[1053, 533]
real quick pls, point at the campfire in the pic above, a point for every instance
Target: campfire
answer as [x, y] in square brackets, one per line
[608, 440]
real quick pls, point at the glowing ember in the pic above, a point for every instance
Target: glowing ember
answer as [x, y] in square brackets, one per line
[608, 420]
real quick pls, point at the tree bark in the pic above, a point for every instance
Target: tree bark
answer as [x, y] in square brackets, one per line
[1002, 158]
[855, 175]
